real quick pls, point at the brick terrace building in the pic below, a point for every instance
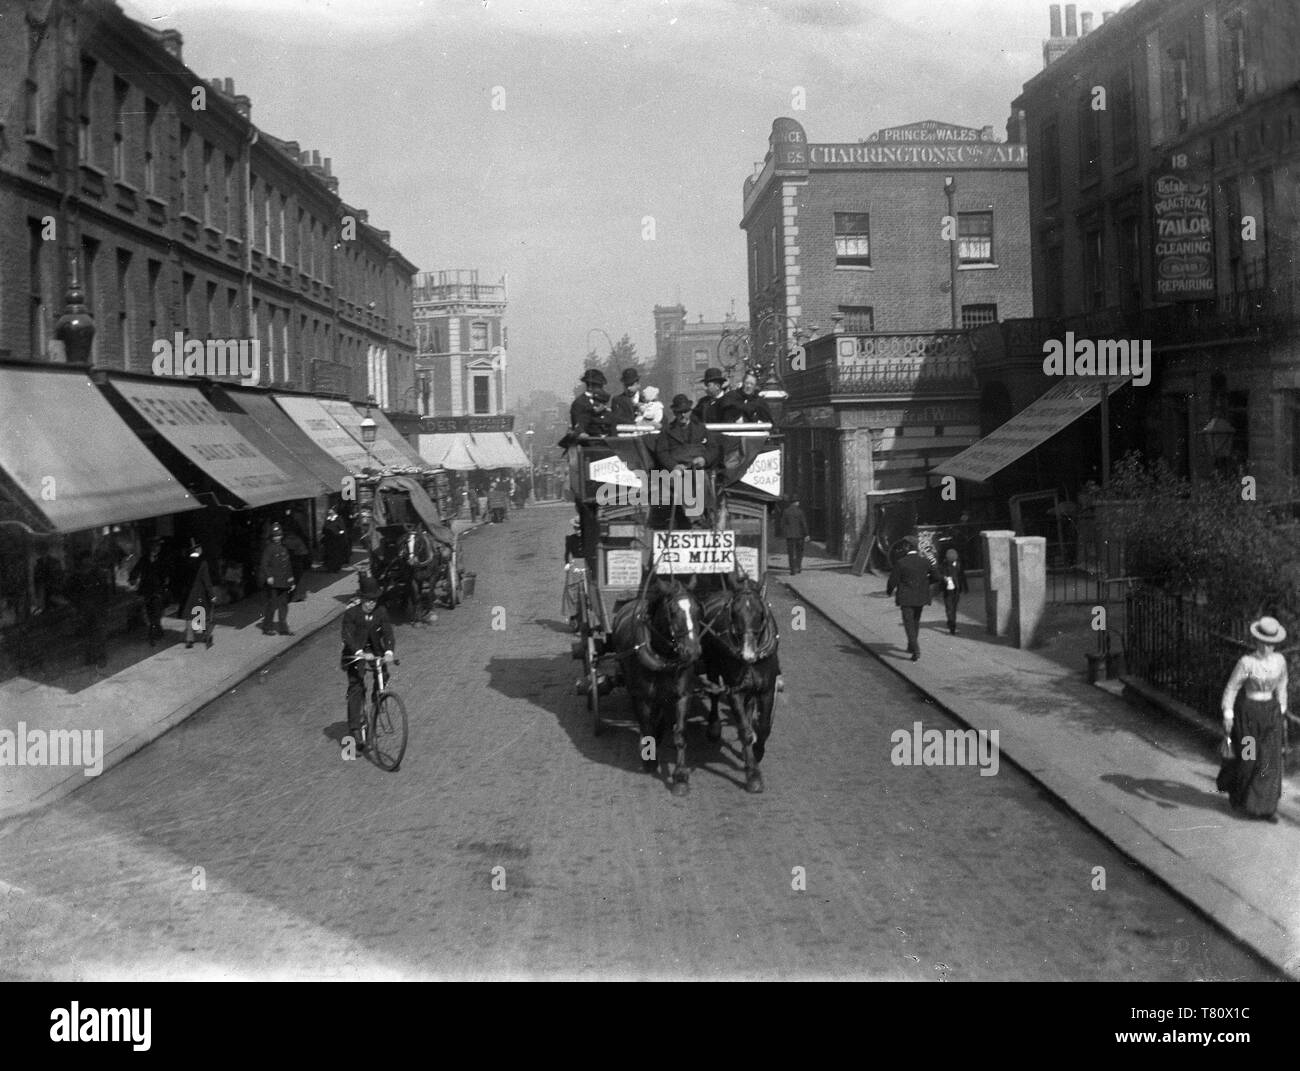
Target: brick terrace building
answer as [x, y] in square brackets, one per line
[684, 351]
[1171, 215]
[181, 214]
[462, 340]
[847, 242]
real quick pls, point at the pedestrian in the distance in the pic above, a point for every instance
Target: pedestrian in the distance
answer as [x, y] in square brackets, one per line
[335, 544]
[912, 577]
[1251, 773]
[199, 593]
[794, 530]
[88, 592]
[152, 577]
[276, 575]
[954, 586]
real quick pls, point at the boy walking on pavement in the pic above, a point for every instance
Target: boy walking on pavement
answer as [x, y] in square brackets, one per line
[911, 578]
[954, 586]
[276, 573]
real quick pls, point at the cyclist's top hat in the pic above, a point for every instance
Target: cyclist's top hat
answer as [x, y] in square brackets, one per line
[370, 588]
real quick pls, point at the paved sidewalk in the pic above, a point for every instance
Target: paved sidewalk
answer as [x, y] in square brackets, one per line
[1143, 781]
[137, 705]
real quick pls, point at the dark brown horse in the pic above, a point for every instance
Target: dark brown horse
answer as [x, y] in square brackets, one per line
[657, 639]
[740, 655]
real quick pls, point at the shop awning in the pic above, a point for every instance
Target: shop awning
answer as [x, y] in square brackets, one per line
[270, 446]
[1031, 427]
[70, 461]
[497, 450]
[208, 439]
[271, 417]
[384, 430]
[381, 453]
[448, 450]
[325, 432]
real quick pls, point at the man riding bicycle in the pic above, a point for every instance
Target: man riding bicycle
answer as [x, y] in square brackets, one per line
[365, 628]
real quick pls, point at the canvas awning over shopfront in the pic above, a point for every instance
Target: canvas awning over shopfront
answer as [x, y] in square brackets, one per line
[270, 417]
[1031, 427]
[68, 462]
[381, 454]
[384, 430]
[325, 432]
[206, 438]
[463, 450]
[267, 443]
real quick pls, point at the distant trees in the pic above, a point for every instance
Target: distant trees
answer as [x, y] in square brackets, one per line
[612, 364]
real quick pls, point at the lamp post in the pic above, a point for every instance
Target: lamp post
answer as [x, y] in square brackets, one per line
[532, 473]
[368, 428]
[76, 327]
[950, 189]
[774, 333]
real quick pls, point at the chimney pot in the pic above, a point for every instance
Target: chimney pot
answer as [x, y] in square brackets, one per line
[1054, 15]
[230, 87]
[315, 158]
[1085, 23]
[327, 166]
[1071, 25]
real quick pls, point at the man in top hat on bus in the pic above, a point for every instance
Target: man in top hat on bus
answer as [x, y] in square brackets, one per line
[588, 415]
[684, 444]
[708, 410]
[625, 404]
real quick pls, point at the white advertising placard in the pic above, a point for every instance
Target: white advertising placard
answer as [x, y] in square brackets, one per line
[704, 551]
[764, 473]
[622, 568]
[747, 559]
[612, 470]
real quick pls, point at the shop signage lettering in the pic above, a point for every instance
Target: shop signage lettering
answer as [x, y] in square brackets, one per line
[935, 155]
[694, 552]
[1184, 231]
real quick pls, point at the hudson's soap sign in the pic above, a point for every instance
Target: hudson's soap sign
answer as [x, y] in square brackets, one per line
[1184, 233]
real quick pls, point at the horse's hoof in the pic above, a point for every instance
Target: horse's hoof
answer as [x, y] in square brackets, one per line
[681, 788]
[754, 784]
[649, 765]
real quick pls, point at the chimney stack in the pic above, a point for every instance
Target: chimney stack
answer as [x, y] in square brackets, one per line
[1054, 16]
[315, 158]
[1071, 25]
[327, 166]
[230, 87]
[1085, 23]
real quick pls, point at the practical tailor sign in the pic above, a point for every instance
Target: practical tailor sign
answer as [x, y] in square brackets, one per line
[696, 551]
[1184, 232]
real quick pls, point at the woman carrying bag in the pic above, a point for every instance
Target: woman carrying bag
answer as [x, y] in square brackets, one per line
[1251, 773]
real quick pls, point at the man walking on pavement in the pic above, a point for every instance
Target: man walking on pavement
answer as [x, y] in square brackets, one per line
[276, 573]
[794, 530]
[152, 576]
[911, 578]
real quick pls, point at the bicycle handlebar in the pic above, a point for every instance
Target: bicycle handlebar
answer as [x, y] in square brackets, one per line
[368, 657]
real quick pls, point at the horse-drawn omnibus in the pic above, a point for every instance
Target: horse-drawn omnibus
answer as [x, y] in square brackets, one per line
[669, 605]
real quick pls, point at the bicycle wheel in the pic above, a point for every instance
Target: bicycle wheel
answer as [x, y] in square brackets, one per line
[387, 741]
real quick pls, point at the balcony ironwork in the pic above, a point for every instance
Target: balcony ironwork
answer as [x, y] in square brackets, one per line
[892, 364]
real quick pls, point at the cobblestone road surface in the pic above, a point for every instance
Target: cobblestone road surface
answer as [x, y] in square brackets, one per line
[316, 867]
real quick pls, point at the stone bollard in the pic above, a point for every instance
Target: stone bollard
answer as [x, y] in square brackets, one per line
[997, 581]
[1028, 588]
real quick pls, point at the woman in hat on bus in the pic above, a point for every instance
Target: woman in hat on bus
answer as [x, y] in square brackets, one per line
[1252, 769]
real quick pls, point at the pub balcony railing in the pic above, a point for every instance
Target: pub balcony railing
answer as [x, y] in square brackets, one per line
[889, 364]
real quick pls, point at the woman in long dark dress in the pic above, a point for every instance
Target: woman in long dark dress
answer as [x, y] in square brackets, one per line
[1252, 776]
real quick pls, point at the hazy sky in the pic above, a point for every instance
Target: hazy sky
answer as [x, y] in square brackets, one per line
[613, 111]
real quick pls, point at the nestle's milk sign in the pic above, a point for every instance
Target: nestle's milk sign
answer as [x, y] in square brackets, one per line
[764, 474]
